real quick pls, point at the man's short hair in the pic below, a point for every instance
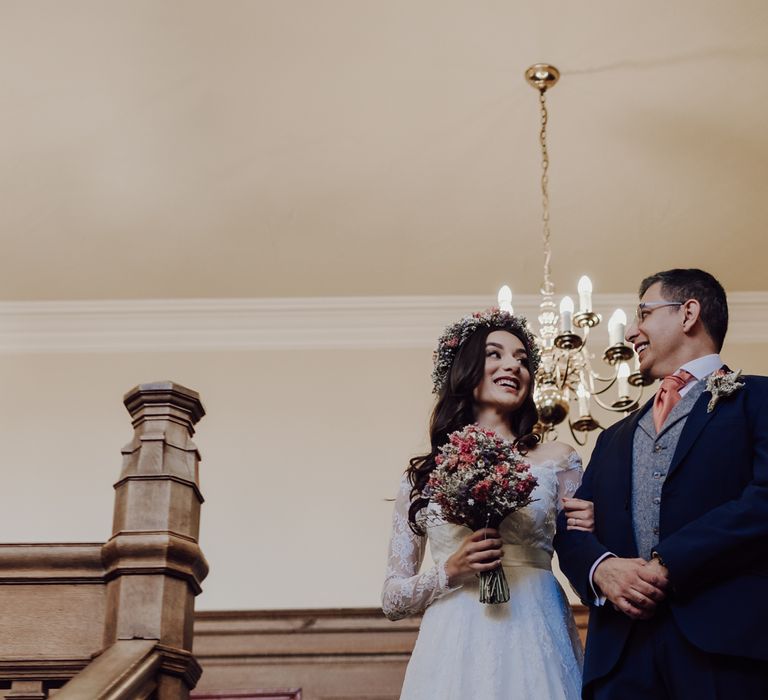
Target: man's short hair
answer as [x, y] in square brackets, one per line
[683, 284]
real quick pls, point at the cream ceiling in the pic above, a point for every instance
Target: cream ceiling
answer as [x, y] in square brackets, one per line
[359, 147]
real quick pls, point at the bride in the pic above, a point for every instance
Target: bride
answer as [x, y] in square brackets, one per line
[526, 648]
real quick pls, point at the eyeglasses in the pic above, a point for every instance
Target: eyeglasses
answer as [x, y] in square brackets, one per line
[645, 308]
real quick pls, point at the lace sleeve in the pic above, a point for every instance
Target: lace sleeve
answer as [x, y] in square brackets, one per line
[406, 591]
[568, 478]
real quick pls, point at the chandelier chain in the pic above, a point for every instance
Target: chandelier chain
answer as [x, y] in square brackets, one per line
[548, 287]
[565, 374]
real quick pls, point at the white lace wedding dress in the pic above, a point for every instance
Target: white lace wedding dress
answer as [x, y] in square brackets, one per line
[527, 648]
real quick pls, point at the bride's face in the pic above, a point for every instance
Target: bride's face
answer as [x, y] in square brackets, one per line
[506, 380]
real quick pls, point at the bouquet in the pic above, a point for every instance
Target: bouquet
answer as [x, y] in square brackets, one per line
[479, 479]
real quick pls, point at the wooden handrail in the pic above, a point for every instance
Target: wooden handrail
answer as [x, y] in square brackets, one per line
[127, 670]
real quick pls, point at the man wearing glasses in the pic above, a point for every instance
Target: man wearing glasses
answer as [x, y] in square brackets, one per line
[676, 571]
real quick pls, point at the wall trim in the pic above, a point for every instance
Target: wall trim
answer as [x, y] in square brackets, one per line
[199, 325]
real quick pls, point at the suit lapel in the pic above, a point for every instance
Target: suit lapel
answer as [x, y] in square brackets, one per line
[626, 449]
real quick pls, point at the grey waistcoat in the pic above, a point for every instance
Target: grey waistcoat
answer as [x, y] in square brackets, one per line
[651, 456]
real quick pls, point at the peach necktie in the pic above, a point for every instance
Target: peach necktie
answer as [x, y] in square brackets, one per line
[668, 395]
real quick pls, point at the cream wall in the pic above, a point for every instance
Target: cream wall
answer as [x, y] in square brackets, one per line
[301, 449]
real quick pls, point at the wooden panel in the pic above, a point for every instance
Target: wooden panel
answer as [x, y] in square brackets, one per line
[249, 695]
[353, 654]
[51, 601]
[329, 654]
[60, 620]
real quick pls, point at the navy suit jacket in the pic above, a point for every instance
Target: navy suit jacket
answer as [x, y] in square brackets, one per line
[713, 528]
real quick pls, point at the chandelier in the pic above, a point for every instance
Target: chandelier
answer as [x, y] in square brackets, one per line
[566, 375]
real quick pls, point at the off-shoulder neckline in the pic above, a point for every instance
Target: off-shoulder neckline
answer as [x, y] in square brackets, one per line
[572, 461]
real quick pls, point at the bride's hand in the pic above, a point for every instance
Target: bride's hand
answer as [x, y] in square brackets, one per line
[580, 514]
[480, 551]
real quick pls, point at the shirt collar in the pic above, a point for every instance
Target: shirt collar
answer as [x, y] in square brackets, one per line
[703, 366]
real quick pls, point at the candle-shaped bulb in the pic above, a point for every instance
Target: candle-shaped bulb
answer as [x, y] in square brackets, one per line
[505, 299]
[583, 396]
[566, 314]
[585, 294]
[621, 377]
[616, 327]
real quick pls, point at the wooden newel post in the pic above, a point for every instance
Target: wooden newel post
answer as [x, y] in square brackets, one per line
[153, 562]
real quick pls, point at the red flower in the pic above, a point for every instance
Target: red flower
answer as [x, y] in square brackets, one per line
[481, 490]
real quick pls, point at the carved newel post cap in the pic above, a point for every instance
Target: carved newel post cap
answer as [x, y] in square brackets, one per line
[155, 399]
[153, 563]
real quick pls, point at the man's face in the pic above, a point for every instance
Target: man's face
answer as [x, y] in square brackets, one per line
[658, 336]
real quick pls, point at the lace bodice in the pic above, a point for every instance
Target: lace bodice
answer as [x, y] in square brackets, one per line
[408, 591]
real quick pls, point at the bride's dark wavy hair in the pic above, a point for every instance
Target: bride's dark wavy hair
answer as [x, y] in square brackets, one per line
[454, 409]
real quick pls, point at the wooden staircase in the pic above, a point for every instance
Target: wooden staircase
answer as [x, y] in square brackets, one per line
[115, 620]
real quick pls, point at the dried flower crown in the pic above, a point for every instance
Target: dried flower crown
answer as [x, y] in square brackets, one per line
[455, 335]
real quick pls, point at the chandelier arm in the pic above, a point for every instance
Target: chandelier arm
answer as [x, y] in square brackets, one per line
[606, 406]
[622, 409]
[610, 380]
[567, 382]
[605, 388]
[547, 430]
[576, 437]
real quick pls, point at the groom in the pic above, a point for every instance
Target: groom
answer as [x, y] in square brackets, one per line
[676, 572]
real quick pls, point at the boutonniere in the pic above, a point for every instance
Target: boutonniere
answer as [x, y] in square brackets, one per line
[721, 384]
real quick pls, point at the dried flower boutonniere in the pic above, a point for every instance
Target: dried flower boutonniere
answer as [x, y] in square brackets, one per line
[720, 384]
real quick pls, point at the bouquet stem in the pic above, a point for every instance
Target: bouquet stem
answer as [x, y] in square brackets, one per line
[493, 586]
